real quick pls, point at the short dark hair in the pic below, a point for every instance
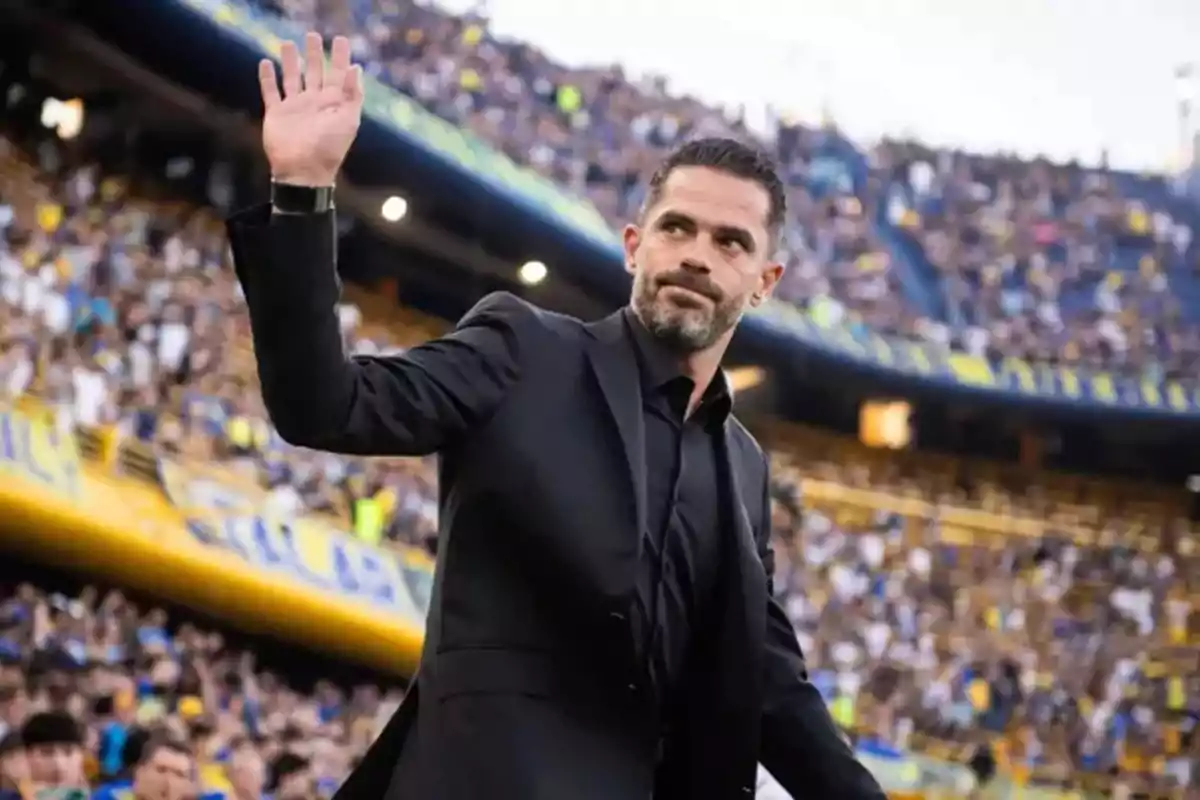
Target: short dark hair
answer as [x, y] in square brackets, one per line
[733, 157]
[285, 764]
[161, 740]
[51, 728]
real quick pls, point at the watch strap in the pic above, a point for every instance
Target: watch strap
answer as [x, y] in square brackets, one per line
[290, 198]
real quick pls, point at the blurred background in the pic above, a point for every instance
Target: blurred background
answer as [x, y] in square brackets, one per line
[979, 380]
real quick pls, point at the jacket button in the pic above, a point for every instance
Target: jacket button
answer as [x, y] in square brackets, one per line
[632, 687]
[747, 790]
[617, 616]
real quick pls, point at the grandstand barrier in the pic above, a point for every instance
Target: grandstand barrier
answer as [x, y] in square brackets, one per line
[195, 538]
[404, 137]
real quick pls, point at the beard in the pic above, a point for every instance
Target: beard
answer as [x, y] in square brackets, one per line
[685, 324]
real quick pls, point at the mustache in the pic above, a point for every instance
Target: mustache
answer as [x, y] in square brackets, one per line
[699, 284]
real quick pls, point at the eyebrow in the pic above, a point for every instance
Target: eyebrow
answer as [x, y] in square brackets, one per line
[738, 234]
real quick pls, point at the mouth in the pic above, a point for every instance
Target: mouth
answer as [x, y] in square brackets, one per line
[688, 296]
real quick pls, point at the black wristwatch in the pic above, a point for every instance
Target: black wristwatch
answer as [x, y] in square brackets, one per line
[289, 198]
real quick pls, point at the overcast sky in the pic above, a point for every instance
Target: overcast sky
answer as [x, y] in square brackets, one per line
[1063, 77]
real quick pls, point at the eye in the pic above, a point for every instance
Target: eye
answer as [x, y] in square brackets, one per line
[732, 244]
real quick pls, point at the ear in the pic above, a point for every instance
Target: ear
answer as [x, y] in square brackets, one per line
[631, 239]
[767, 281]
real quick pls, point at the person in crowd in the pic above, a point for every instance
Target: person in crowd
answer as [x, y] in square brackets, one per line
[54, 749]
[165, 770]
[14, 767]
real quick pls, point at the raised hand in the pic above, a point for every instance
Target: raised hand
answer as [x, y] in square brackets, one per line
[308, 129]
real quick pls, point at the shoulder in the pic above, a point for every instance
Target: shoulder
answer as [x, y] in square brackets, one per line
[522, 317]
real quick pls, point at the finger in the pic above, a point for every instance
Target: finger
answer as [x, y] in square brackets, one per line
[339, 62]
[314, 62]
[352, 84]
[289, 59]
[269, 84]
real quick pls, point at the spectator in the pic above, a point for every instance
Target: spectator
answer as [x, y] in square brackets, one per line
[292, 778]
[54, 747]
[14, 767]
[165, 771]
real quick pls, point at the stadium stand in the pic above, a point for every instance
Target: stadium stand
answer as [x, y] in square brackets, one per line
[1054, 264]
[970, 622]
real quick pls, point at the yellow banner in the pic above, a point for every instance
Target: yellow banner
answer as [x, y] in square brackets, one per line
[298, 581]
[31, 448]
[225, 514]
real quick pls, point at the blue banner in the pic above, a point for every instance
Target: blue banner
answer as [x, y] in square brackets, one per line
[1017, 378]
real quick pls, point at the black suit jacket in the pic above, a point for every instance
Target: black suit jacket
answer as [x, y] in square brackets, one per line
[528, 687]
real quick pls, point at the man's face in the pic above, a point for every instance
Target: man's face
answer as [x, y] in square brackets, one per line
[297, 785]
[247, 773]
[56, 764]
[165, 775]
[700, 257]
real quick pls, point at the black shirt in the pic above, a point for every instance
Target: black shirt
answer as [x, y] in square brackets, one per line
[681, 546]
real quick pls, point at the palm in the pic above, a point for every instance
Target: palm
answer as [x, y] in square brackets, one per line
[308, 129]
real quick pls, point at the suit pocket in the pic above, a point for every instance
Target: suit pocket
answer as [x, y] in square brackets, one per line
[515, 724]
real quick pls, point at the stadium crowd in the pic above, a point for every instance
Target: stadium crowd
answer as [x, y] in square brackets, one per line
[121, 312]
[1049, 263]
[1066, 654]
[104, 699]
[1022, 259]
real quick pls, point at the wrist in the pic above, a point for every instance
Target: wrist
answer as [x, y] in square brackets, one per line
[292, 198]
[307, 180]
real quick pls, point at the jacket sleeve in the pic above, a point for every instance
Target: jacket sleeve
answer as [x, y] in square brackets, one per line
[801, 746]
[411, 404]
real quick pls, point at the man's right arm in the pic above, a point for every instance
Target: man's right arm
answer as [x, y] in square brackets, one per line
[412, 404]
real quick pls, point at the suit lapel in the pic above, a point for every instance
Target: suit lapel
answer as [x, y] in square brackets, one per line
[615, 366]
[749, 566]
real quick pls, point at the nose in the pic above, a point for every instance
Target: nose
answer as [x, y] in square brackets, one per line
[695, 264]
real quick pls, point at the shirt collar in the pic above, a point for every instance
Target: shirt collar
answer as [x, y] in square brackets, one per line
[658, 368]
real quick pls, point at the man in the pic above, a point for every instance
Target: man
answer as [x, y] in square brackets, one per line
[54, 755]
[166, 771]
[246, 771]
[292, 778]
[14, 768]
[602, 625]
[155, 767]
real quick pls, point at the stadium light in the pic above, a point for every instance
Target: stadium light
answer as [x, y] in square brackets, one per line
[64, 117]
[532, 273]
[394, 209]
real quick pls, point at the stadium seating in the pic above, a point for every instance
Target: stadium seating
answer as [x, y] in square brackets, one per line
[1054, 264]
[122, 672]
